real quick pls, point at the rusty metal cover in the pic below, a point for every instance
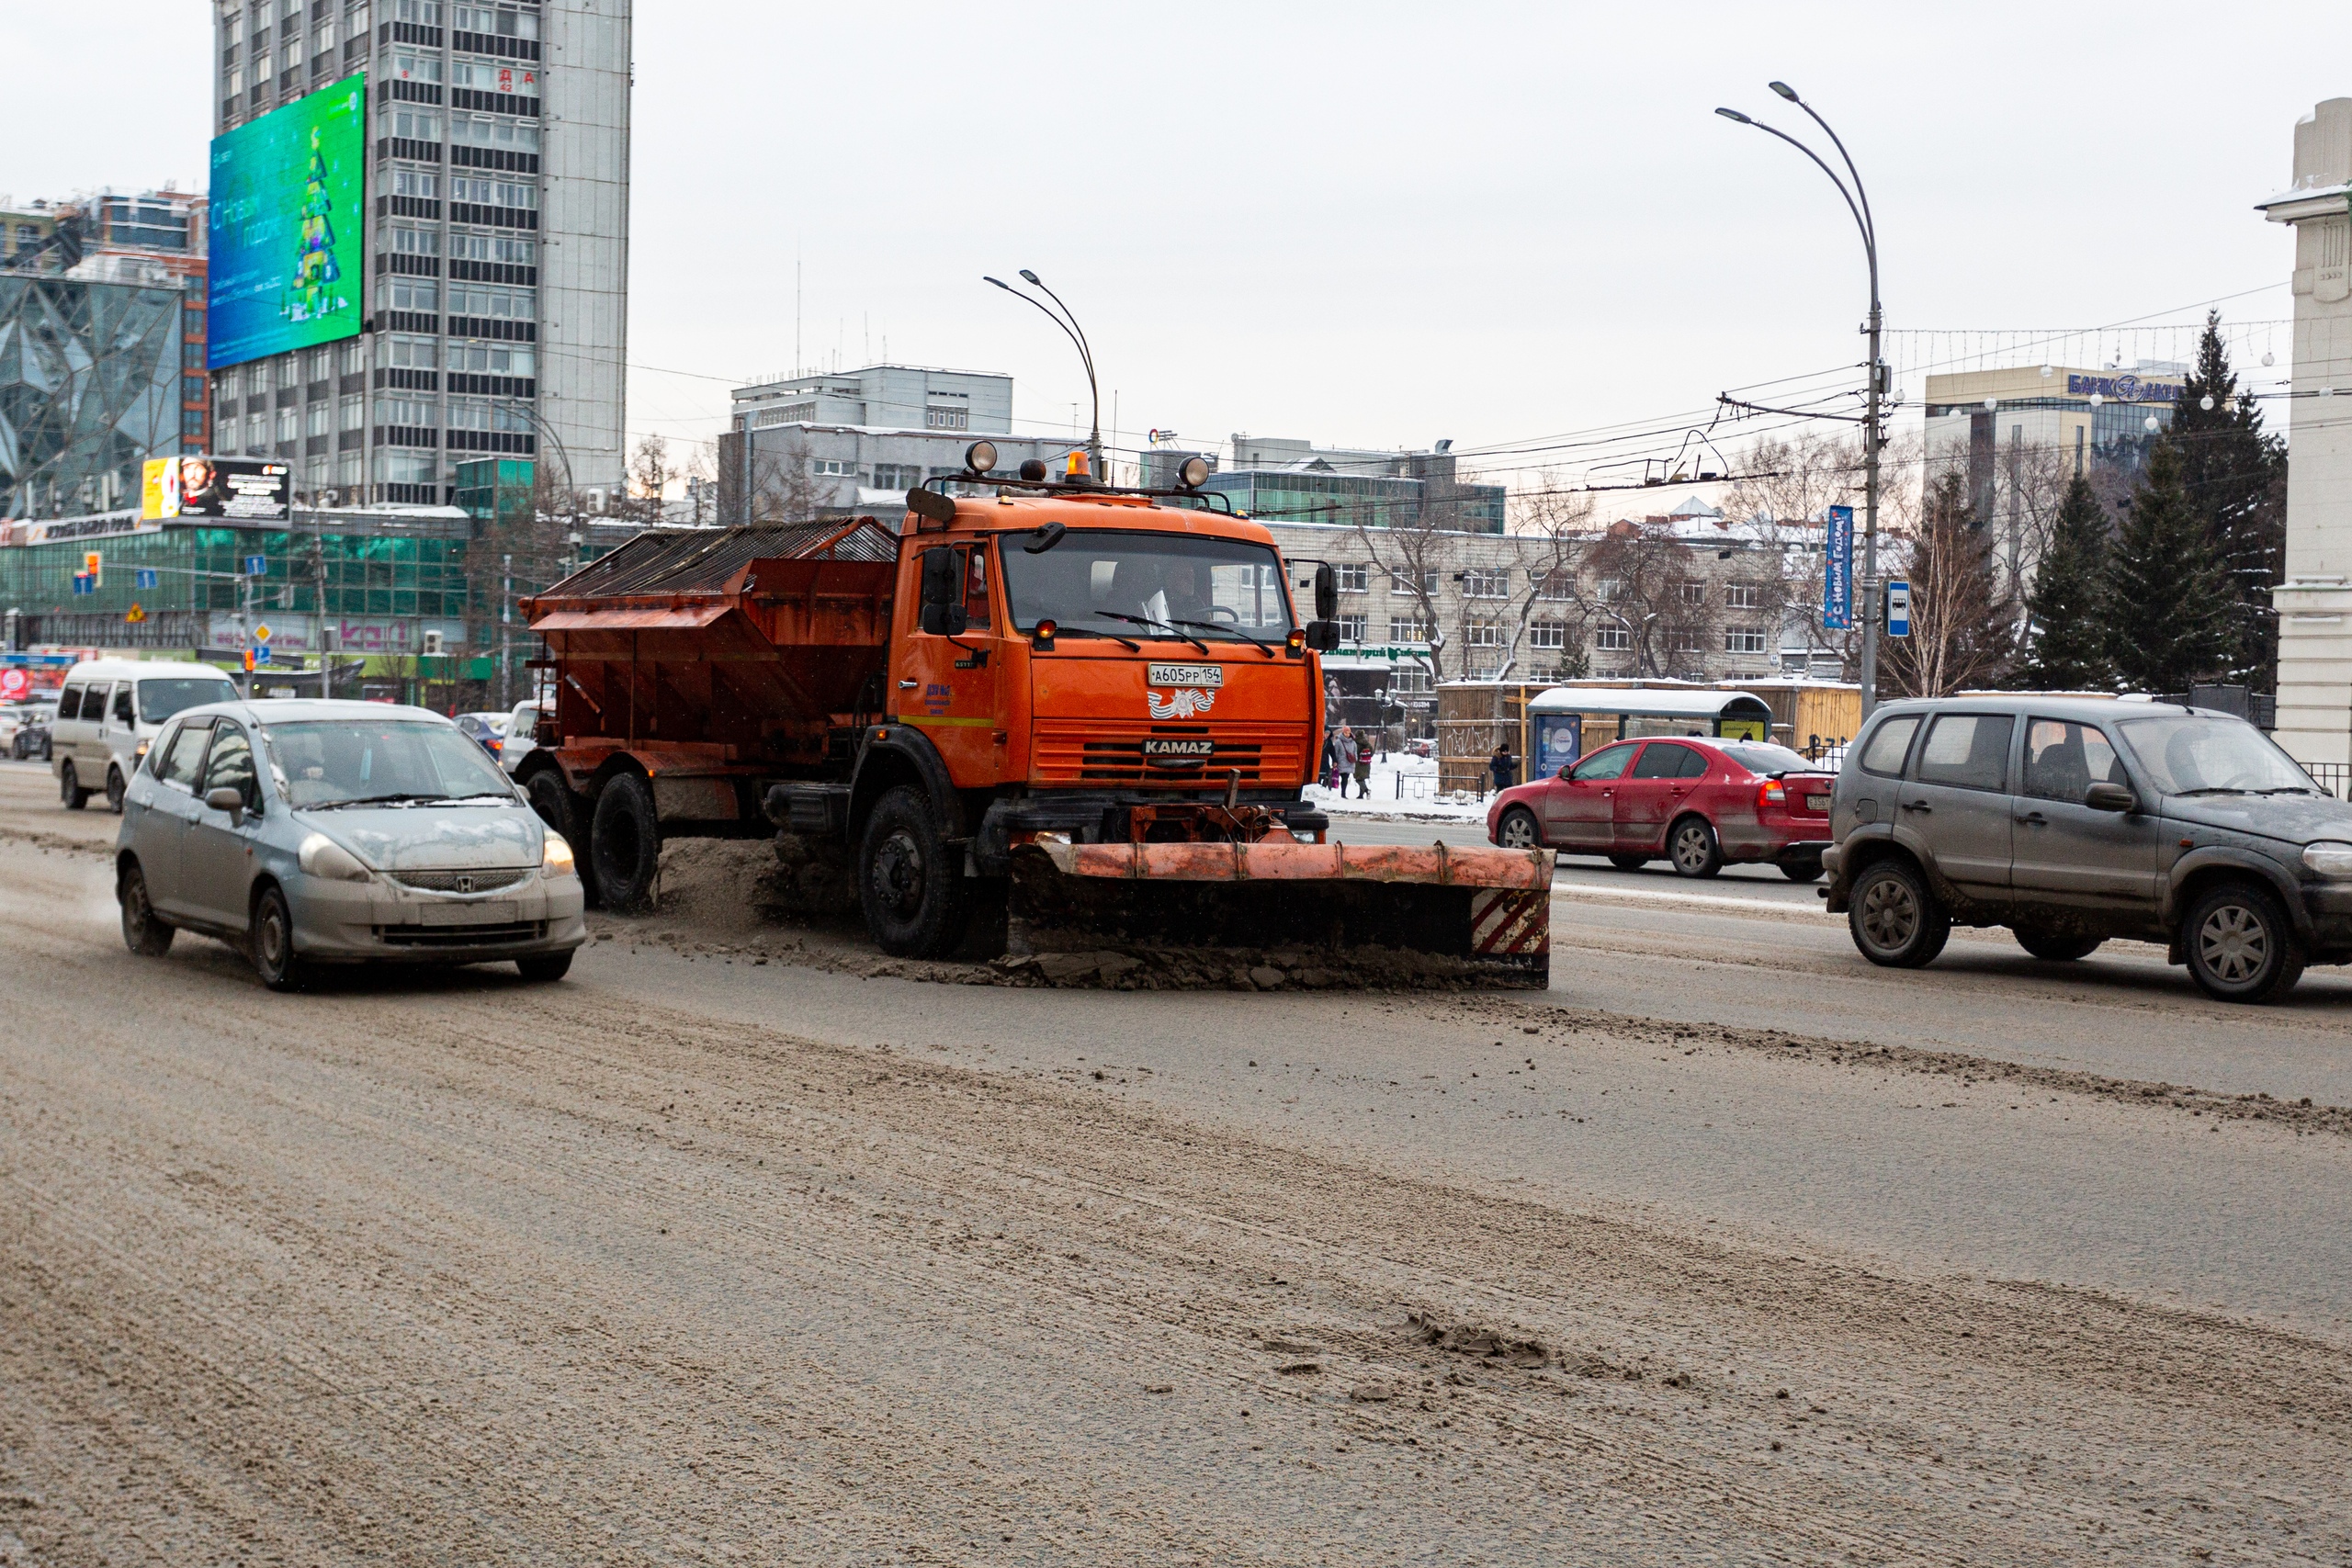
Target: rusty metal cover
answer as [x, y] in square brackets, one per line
[703, 560]
[1441, 864]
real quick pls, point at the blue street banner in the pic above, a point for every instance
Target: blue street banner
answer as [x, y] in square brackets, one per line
[1837, 576]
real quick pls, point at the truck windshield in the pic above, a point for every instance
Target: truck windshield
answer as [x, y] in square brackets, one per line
[1175, 586]
[2196, 754]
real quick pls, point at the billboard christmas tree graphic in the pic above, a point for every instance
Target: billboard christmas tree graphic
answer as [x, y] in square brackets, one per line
[312, 293]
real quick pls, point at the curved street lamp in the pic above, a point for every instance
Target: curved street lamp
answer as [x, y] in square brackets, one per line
[1858, 202]
[1067, 321]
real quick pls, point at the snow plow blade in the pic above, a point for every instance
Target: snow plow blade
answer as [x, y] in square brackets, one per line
[1483, 912]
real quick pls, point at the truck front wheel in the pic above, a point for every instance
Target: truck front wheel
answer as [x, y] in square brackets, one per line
[624, 843]
[914, 897]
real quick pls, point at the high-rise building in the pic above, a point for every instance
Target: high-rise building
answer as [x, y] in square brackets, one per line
[102, 346]
[420, 228]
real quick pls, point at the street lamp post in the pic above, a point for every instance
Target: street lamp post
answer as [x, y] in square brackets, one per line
[1077, 335]
[1858, 202]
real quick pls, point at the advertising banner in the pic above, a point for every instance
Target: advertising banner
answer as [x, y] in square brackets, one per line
[248, 489]
[287, 226]
[1837, 575]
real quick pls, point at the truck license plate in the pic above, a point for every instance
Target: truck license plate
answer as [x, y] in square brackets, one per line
[1185, 675]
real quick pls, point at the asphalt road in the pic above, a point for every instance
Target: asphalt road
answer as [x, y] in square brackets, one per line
[738, 1245]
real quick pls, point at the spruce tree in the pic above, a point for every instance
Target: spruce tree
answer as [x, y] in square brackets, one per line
[2069, 651]
[2169, 610]
[2233, 477]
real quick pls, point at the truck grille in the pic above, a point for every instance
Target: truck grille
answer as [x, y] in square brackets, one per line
[1069, 751]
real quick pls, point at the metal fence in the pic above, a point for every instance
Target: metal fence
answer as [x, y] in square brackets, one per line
[2333, 777]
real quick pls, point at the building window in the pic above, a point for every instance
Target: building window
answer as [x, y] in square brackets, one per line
[1555, 585]
[1403, 583]
[353, 413]
[407, 294]
[191, 389]
[1482, 634]
[417, 67]
[414, 124]
[347, 356]
[947, 419]
[1693, 593]
[256, 432]
[493, 358]
[192, 424]
[408, 181]
[831, 467]
[1687, 641]
[1354, 577]
[1412, 629]
[495, 76]
[1743, 596]
[411, 412]
[409, 242]
[1484, 583]
[317, 422]
[1352, 628]
[1744, 640]
[509, 23]
[1547, 633]
[493, 193]
[499, 304]
[896, 476]
[1611, 638]
[1609, 590]
[413, 352]
[482, 130]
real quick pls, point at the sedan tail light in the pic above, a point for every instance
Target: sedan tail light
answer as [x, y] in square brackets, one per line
[1771, 793]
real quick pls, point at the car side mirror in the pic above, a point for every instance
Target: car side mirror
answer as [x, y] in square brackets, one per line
[2105, 796]
[231, 801]
[943, 583]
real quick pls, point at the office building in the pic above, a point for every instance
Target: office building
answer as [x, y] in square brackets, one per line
[421, 242]
[1277, 479]
[102, 346]
[1993, 421]
[854, 441]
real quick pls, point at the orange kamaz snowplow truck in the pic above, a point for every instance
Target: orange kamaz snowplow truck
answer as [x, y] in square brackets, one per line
[1092, 709]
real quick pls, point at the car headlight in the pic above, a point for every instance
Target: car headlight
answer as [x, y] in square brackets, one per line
[555, 855]
[321, 856]
[2329, 859]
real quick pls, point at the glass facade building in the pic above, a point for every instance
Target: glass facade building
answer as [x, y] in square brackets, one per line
[1313, 493]
[90, 387]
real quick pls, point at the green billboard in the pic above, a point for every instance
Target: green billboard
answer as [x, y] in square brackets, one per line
[288, 224]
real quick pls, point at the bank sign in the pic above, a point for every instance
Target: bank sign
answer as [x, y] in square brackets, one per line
[2122, 389]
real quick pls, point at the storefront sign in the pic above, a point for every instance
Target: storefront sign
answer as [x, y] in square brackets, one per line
[2122, 389]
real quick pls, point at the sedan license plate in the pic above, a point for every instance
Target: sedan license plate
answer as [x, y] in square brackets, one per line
[1816, 802]
[489, 913]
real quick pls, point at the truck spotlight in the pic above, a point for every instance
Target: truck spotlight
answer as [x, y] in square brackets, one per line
[1033, 469]
[1193, 472]
[980, 456]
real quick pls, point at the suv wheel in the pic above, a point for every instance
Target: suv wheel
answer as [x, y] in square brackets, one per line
[1517, 830]
[1693, 848]
[2052, 948]
[1896, 918]
[2240, 945]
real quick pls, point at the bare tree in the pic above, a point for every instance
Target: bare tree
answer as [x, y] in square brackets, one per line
[1638, 579]
[650, 473]
[1560, 517]
[1414, 553]
[1963, 613]
[783, 483]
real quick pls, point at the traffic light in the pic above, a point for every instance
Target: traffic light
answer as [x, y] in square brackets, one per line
[93, 567]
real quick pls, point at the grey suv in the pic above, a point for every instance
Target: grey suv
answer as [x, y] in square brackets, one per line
[2072, 820]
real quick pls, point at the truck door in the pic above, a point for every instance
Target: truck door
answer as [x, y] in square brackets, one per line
[946, 683]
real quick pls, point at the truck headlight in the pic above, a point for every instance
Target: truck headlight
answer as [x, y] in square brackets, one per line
[555, 855]
[2329, 859]
[321, 856]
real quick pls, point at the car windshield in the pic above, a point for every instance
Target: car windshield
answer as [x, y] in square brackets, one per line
[161, 698]
[329, 763]
[2196, 754]
[1769, 761]
[1146, 586]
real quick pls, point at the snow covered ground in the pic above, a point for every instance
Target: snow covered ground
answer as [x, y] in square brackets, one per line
[1403, 787]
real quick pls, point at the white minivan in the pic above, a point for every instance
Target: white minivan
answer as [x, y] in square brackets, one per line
[107, 711]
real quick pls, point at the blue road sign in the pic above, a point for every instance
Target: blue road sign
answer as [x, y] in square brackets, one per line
[256, 565]
[1837, 575]
[1898, 607]
[85, 583]
[149, 577]
[261, 653]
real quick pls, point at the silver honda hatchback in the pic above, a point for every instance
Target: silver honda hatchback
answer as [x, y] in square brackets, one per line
[337, 832]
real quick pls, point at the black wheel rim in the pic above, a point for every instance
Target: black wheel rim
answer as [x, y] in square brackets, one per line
[2234, 943]
[898, 872]
[1889, 914]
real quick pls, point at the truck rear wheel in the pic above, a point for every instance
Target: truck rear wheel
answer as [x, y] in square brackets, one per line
[914, 897]
[624, 844]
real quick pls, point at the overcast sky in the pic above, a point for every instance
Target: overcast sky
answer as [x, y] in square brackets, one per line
[1364, 224]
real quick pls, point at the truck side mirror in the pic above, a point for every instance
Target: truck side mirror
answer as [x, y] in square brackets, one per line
[2105, 797]
[1323, 636]
[943, 593]
[1327, 594]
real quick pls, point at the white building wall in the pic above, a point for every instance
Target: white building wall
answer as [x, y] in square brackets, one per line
[583, 235]
[2315, 600]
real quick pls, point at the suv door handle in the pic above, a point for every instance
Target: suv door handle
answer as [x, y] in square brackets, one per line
[2035, 818]
[1918, 805]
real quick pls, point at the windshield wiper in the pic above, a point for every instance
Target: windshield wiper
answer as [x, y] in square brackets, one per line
[2212, 789]
[1224, 630]
[2288, 789]
[1155, 626]
[393, 799]
[1128, 643]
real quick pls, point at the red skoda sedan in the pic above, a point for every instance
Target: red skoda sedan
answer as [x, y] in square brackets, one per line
[1698, 804]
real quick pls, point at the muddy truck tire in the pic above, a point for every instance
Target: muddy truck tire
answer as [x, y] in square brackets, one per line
[910, 886]
[624, 844]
